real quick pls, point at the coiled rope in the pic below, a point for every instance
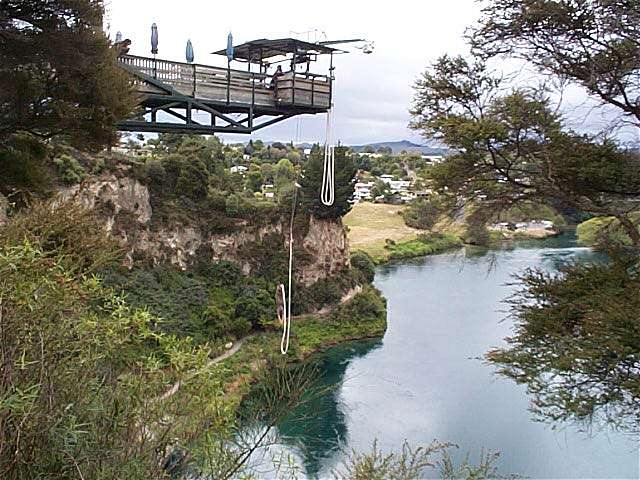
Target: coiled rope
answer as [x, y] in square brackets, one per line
[284, 316]
[327, 192]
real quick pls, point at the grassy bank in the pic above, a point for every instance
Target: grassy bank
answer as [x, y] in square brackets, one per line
[364, 316]
[379, 230]
[607, 229]
[425, 244]
[370, 225]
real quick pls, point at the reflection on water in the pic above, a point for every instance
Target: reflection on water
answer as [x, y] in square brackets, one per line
[318, 429]
[424, 381]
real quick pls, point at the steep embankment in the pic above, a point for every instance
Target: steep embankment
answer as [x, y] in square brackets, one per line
[322, 248]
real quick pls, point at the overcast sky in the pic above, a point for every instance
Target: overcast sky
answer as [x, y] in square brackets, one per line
[372, 92]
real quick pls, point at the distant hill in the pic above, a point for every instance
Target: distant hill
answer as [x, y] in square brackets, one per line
[396, 147]
[400, 145]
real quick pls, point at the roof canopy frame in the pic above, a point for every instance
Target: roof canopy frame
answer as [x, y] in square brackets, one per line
[257, 51]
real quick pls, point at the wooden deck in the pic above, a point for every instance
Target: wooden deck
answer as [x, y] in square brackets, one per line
[226, 87]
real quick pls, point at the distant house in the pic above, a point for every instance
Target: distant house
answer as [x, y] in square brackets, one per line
[399, 184]
[362, 190]
[307, 151]
[246, 156]
[238, 169]
[387, 178]
[432, 158]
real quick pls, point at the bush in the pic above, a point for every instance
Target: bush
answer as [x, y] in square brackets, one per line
[603, 231]
[422, 213]
[426, 244]
[366, 305]
[256, 305]
[364, 266]
[83, 368]
[23, 166]
[324, 292]
[69, 169]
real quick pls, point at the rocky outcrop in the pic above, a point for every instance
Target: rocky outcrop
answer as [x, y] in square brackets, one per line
[126, 205]
[326, 241]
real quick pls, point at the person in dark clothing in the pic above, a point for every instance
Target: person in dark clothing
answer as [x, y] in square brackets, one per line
[122, 47]
[274, 78]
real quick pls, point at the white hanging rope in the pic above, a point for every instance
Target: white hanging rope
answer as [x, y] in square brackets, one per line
[285, 315]
[327, 192]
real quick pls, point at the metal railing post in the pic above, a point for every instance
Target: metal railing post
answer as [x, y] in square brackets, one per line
[194, 80]
[253, 100]
[313, 82]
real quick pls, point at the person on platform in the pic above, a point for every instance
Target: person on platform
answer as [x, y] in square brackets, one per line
[274, 78]
[122, 48]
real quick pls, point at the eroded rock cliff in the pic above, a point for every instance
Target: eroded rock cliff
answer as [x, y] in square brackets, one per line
[322, 246]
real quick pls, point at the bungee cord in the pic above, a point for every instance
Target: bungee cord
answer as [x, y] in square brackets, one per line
[327, 191]
[284, 314]
[327, 197]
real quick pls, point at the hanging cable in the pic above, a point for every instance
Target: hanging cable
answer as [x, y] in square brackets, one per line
[284, 314]
[327, 192]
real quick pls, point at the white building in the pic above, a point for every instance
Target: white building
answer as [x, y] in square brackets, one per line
[238, 169]
[386, 178]
[362, 190]
[432, 158]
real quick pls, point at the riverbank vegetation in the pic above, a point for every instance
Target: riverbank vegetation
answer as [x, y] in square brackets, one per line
[514, 146]
[61, 325]
[600, 231]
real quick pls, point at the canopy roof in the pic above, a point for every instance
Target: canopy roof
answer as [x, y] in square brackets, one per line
[264, 48]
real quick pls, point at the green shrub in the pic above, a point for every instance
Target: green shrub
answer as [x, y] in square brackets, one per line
[256, 305]
[603, 231]
[23, 166]
[368, 304]
[422, 213]
[364, 266]
[324, 292]
[69, 169]
[426, 244]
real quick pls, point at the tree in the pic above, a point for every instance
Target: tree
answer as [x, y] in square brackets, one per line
[253, 180]
[576, 344]
[381, 188]
[513, 148]
[595, 44]
[422, 213]
[572, 326]
[59, 76]
[311, 182]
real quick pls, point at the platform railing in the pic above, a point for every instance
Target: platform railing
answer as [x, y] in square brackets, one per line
[234, 86]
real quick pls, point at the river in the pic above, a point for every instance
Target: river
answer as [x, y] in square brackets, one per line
[424, 380]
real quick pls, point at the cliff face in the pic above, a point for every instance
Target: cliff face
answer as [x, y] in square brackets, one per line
[126, 205]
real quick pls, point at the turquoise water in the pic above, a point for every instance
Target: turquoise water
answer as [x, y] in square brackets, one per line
[424, 380]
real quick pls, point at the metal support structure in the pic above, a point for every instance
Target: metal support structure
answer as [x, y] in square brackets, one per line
[224, 115]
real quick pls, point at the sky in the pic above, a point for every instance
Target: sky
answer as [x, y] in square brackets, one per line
[372, 92]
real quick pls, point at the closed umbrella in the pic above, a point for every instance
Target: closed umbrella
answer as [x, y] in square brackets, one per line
[189, 52]
[229, 47]
[154, 39]
[229, 58]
